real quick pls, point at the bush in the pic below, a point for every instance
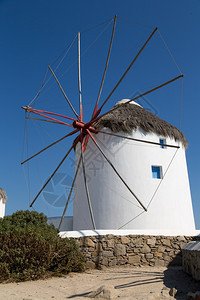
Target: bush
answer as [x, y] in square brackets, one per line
[32, 249]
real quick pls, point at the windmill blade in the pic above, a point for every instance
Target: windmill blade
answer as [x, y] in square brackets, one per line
[54, 171]
[139, 96]
[106, 66]
[79, 78]
[125, 73]
[40, 114]
[54, 143]
[70, 193]
[137, 140]
[43, 120]
[87, 191]
[30, 109]
[64, 93]
[115, 170]
[156, 88]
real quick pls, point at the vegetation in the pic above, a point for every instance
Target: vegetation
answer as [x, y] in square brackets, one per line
[31, 249]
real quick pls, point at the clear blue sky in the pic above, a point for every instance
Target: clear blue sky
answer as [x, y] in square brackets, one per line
[34, 33]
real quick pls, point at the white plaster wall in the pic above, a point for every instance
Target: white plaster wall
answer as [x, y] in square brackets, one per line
[114, 207]
[67, 223]
[2, 209]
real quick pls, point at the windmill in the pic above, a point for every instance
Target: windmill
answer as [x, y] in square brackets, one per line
[94, 208]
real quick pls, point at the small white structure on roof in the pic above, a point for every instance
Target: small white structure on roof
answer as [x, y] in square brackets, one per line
[153, 192]
[3, 200]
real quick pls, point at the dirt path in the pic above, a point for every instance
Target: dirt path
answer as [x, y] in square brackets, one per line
[128, 283]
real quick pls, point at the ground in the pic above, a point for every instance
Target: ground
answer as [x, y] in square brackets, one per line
[142, 283]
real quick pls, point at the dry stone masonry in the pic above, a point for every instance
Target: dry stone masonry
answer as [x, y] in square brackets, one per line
[110, 250]
[191, 259]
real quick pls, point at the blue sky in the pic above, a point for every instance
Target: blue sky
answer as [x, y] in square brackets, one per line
[34, 33]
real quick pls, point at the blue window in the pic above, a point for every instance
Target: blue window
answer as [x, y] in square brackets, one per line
[156, 172]
[162, 142]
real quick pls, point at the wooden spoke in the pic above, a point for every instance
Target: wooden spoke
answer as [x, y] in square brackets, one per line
[70, 193]
[54, 171]
[79, 77]
[125, 73]
[106, 66]
[54, 143]
[139, 96]
[30, 109]
[43, 120]
[64, 93]
[87, 191]
[156, 88]
[56, 120]
[137, 140]
[115, 170]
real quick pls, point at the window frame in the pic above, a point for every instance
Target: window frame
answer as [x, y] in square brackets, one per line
[158, 171]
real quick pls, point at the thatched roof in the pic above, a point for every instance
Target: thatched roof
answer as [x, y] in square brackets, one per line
[3, 196]
[126, 117]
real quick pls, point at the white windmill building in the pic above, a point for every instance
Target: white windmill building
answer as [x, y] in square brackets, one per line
[137, 178]
[3, 199]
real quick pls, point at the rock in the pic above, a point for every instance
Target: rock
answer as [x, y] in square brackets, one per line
[90, 265]
[120, 250]
[104, 261]
[113, 262]
[149, 255]
[146, 249]
[173, 292]
[125, 240]
[159, 263]
[104, 292]
[165, 292]
[181, 238]
[161, 249]
[110, 243]
[166, 242]
[134, 259]
[158, 254]
[151, 242]
[88, 242]
[107, 253]
[138, 242]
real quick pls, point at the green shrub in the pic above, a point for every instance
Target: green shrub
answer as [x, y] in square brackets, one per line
[32, 249]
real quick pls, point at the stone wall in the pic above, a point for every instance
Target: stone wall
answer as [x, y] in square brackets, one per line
[191, 259]
[136, 250]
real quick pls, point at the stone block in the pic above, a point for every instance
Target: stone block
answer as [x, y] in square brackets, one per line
[134, 259]
[88, 242]
[151, 242]
[104, 261]
[110, 243]
[146, 249]
[107, 253]
[159, 263]
[90, 265]
[161, 249]
[181, 238]
[138, 242]
[149, 255]
[119, 250]
[158, 254]
[113, 262]
[166, 242]
[125, 240]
